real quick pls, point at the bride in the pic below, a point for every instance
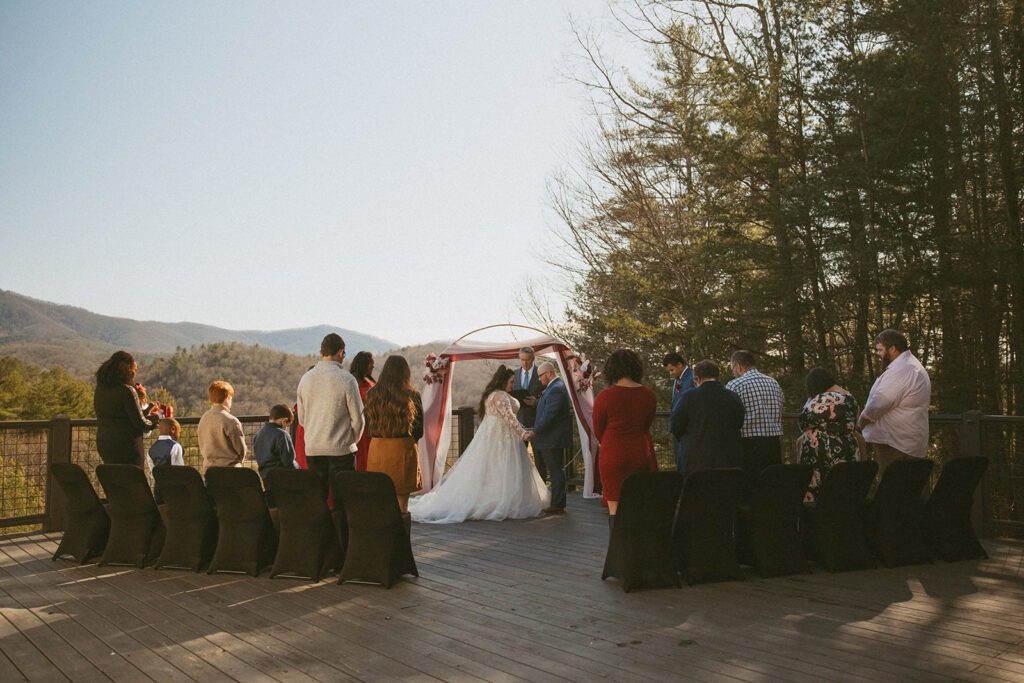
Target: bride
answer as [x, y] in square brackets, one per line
[494, 479]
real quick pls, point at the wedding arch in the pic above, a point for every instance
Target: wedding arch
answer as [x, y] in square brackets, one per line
[575, 370]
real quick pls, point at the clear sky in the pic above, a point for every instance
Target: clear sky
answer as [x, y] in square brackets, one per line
[375, 165]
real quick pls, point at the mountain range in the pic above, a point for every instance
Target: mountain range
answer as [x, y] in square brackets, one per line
[46, 334]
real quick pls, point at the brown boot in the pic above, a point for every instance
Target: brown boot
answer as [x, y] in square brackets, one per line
[407, 521]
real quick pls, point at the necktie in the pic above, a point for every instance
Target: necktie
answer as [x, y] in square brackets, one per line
[679, 384]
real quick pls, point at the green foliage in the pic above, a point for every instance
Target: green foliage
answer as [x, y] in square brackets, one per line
[796, 176]
[260, 376]
[30, 393]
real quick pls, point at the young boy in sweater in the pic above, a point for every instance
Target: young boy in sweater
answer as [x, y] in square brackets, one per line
[273, 445]
[165, 450]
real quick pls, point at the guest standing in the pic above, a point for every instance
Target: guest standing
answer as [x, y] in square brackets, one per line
[682, 381]
[362, 369]
[895, 416]
[221, 440]
[165, 451]
[121, 420]
[829, 424]
[394, 419]
[762, 422]
[707, 421]
[623, 415]
[331, 413]
[272, 447]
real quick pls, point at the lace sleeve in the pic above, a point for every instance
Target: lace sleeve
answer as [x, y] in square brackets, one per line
[502, 404]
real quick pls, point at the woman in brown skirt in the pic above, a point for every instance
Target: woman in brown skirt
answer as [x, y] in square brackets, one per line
[394, 419]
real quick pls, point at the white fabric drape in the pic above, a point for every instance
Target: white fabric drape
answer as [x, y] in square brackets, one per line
[437, 398]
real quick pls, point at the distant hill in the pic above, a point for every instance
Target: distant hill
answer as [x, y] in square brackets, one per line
[47, 334]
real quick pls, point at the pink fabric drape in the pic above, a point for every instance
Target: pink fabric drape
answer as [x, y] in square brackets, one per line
[433, 447]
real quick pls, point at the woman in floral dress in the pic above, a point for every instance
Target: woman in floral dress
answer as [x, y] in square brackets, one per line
[829, 424]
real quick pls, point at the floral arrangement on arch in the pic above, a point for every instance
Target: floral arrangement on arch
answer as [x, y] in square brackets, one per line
[583, 371]
[437, 368]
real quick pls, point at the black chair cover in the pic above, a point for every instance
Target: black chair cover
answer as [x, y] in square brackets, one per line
[379, 549]
[246, 541]
[755, 462]
[897, 514]
[640, 548]
[769, 527]
[308, 545]
[88, 522]
[190, 517]
[948, 518]
[136, 528]
[836, 523]
[705, 528]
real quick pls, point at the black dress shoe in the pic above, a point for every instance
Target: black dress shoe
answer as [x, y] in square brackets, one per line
[552, 510]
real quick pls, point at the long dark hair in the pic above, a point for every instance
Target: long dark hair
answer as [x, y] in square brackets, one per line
[390, 404]
[360, 367]
[498, 381]
[117, 369]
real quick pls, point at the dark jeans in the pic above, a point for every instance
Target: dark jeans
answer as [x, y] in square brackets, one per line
[326, 466]
[554, 459]
[759, 452]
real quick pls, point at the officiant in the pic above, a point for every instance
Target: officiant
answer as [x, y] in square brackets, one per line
[527, 388]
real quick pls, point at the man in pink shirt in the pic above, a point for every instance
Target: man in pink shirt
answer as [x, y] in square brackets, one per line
[895, 417]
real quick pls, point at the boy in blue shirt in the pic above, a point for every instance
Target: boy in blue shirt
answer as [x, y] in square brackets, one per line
[165, 450]
[273, 445]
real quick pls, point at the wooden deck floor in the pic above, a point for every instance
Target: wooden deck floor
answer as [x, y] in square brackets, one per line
[508, 601]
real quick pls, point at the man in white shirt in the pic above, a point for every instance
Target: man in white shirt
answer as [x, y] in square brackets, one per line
[330, 412]
[895, 417]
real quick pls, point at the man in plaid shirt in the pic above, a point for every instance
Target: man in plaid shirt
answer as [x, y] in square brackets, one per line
[762, 423]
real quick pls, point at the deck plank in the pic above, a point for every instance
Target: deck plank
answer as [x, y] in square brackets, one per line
[509, 601]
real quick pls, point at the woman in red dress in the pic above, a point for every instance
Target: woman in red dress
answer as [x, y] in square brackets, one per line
[623, 414]
[362, 370]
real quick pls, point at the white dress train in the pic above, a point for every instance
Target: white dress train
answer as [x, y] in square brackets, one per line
[494, 479]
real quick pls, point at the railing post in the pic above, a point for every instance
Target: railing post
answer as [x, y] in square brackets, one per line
[972, 444]
[59, 450]
[465, 414]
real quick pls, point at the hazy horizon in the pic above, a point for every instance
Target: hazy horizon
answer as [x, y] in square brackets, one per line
[377, 167]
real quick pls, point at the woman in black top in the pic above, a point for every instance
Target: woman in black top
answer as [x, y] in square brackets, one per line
[119, 414]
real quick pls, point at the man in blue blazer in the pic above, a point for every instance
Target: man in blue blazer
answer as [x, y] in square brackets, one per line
[682, 381]
[707, 421]
[552, 433]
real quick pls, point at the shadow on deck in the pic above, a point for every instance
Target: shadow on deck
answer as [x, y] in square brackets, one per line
[504, 601]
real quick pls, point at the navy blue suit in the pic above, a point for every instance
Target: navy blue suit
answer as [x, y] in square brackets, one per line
[707, 422]
[680, 387]
[553, 434]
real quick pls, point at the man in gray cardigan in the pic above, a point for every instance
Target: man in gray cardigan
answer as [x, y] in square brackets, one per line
[330, 412]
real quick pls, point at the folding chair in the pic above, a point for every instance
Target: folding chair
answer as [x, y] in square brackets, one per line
[136, 528]
[246, 541]
[190, 517]
[88, 522]
[640, 548]
[379, 549]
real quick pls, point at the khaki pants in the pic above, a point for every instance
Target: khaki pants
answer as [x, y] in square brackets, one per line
[885, 454]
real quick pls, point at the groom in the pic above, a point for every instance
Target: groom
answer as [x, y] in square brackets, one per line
[552, 433]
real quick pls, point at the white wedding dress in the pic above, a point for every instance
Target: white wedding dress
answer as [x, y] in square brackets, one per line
[494, 479]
